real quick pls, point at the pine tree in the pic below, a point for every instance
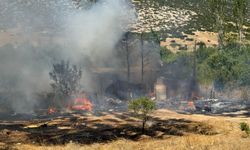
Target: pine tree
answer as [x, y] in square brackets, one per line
[239, 11]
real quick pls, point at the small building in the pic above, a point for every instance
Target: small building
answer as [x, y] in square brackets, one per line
[160, 89]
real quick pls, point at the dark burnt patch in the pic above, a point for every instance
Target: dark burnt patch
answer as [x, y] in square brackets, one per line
[96, 129]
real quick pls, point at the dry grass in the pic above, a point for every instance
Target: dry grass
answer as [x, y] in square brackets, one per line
[228, 137]
[209, 38]
[196, 142]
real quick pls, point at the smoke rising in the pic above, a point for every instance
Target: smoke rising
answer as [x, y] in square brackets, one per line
[43, 32]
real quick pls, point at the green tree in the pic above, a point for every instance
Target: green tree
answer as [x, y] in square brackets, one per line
[244, 78]
[141, 107]
[218, 10]
[223, 69]
[127, 52]
[147, 52]
[66, 80]
[244, 94]
[240, 12]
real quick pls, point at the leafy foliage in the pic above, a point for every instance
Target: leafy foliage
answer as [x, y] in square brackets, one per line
[244, 78]
[240, 12]
[245, 127]
[228, 65]
[142, 107]
[221, 67]
[167, 55]
[66, 80]
[244, 94]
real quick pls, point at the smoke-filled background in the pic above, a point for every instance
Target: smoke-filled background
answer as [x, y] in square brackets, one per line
[43, 32]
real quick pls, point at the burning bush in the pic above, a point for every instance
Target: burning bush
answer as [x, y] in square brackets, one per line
[142, 107]
[82, 103]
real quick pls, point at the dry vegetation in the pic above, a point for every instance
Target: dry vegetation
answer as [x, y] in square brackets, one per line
[176, 44]
[180, 143]
[110, 131]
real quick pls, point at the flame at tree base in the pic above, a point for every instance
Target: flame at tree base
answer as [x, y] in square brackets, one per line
[82, 104]
[78, 104]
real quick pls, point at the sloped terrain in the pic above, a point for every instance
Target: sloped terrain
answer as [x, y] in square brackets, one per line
[169, 18]
[172, 16]
[156, 17]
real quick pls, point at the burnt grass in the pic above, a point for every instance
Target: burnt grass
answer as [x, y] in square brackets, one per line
[99, 130]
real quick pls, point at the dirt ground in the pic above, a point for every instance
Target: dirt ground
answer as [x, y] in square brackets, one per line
[117, 130]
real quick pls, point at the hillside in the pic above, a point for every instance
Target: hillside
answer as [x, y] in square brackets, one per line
[183, 15]
[169, 16]
[180, 23]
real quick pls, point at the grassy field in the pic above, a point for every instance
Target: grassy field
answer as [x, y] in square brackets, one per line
[180, 143]
[225, 134]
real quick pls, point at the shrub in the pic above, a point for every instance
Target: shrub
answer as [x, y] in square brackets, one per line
[66, 80]
[167, 56]
[244, 72]
[223, 69]
[245, 127]
[201, 45]
[141, 107]
[244, 94]
[204, 53]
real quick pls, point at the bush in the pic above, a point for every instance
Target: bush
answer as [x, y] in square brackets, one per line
[141, 107]
[229, 66]
[66, 80]
[244, 94]
[245, 127]
[167, 56]
[224, 69]
[244, 79]
[203, 53]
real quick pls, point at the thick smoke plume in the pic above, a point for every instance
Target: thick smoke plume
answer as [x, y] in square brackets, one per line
[43, 32]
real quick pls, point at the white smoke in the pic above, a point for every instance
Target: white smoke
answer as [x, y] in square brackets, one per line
[51, 30]
[95, 31]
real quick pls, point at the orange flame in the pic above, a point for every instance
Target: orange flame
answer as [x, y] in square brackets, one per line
[51, 110]
[82, 104]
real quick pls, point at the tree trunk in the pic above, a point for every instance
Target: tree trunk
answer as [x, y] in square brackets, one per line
[142, 59]
[220, 39]
[220, 32]
[194, 89]
[240, 35]
[143, 125]
[127, 57]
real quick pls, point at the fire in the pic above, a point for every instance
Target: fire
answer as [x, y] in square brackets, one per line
[82, 104]
[51, 110]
